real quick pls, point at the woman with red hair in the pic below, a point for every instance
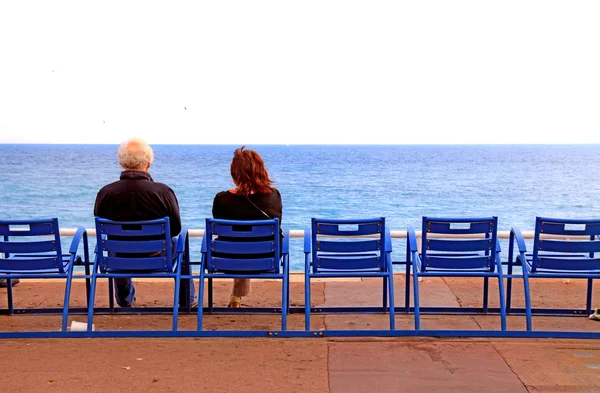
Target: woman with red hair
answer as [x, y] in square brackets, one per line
[253, 198]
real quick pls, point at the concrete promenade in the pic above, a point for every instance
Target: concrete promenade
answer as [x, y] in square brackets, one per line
[367, 364]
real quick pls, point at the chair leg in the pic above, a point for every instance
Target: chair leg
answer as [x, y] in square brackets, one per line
[67, 299]
[509, 273]
[176, 298]
[111, 295]
[527, 297]
[416, 298]
[307, 301]
[391, 293]
[91, 302]
[588, 303]
[502, 303]
[9, 294]
[200, 298]
[210, 294]
[87, 281]
[485, 294]
[284, 297]
[407, 289]
[385, 290]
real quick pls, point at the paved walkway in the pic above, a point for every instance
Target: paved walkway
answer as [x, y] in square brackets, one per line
[335, 365]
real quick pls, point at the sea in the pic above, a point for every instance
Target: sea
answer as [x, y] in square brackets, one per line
[402, 183]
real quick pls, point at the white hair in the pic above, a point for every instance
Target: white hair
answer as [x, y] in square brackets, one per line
[135, 153]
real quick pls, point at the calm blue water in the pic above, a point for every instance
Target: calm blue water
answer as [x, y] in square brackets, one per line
[401, 183]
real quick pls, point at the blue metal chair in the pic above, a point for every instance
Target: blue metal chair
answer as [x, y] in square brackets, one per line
[562, 248]
[457, 247]
[137, 249]
[32, 249]
[349, 248]
[244, 249]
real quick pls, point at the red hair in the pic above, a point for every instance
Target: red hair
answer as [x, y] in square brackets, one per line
[248, 172]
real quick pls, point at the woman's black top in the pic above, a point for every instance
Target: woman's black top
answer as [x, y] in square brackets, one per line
[230, 206]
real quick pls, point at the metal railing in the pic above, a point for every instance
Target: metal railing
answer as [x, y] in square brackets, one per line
[299, 233]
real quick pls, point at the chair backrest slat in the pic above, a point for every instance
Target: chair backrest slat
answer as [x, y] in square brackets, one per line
[569, 246]
[567, 254]
[132, 229]
[258, 247]
[28, 247]
[345, 246]
[258, 265]
[445, 244]
[458, 226]
[342, 245]
[348, 228]
[242, 230]
[28, 264]
[27, 228]
[39, 239]
[157, 263]
[134, 245]
[458, 244]
[568, 263]
[568, 227]
[464, 262]
[243, 246]
[348, 263]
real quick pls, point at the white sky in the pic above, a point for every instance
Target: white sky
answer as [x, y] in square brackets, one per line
[255, 71]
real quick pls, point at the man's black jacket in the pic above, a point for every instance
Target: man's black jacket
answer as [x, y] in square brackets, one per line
[135, 197]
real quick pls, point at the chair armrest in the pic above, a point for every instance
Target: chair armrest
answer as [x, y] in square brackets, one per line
[516, 232]
[285, 246]
[388, 240]
[498, 248]
[181, 240]
[80, 233]
[411, 237]
[306, 240]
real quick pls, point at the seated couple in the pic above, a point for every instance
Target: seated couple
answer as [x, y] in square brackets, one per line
[136, 196]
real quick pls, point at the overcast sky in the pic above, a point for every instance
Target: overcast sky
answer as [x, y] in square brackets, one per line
[384, 72]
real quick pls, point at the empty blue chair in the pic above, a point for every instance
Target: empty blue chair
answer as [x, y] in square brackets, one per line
[562, 248]
[32, 249]
[141, 249]
[349, 248]
[457, 247]
[244, 249]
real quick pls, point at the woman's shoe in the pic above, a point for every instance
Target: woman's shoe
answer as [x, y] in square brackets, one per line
[235, 302]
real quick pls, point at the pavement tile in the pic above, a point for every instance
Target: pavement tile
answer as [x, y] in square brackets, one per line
[419, 367]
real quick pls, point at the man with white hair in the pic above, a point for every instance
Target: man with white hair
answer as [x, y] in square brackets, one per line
[136, 197]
